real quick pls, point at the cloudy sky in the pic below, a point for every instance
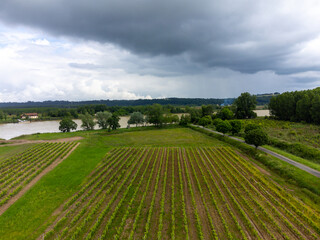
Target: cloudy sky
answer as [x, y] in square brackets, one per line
[103, 49]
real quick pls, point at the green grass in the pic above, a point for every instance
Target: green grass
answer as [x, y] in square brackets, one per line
[32, 213]
[294, 158]
[8, 151]
[292, 132]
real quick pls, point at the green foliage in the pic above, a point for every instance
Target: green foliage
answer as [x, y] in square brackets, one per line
[113, 122]
[136, 118]
[225, 114]
[102, 119]
[251, 126]
[184, 120]
[315, 109]
[216, 121]
[204, 121]
[87, 122]
[236, 126]
[194, 113]
[297, 106]
[155, 115]
[224, 127]
[257, 137]
[66, 125]
[245, 104]
[206, 110]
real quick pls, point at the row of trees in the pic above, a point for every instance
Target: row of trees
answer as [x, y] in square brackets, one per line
[106, 120]
[297, 106]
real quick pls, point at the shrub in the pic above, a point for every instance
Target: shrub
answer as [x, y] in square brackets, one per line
[224, 127]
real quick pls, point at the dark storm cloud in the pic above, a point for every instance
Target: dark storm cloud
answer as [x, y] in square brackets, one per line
[246, 36]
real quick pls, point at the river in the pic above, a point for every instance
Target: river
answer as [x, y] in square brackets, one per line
[11, 130]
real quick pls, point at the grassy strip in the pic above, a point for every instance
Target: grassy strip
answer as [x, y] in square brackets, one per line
[306, 162]
[31, 214]
[291, 173]
[297, 149]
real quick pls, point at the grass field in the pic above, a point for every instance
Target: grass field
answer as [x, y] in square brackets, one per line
[307, 134]
[181, 193]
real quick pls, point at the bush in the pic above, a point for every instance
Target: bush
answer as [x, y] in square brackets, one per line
[236, 126]
[224, 127]
[204, 121]
[216, 121]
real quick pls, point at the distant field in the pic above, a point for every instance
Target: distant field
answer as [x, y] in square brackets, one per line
[181, 193]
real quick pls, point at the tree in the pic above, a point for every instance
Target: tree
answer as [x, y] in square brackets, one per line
[224, 127]
[204, 121]
[206, 110]
[136, 118]
[216, 121]
[113, 122]
[245, 104]
[102, 119]
[155, 115]
[66, 125]
[225, 114]
[236, 126]
[251, 126]
[87, 122]
[315, 109]
[256, 137]
[184, 120]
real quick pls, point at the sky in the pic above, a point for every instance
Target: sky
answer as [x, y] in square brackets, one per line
[141, 49]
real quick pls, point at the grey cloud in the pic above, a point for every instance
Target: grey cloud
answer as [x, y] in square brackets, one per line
[246, 36]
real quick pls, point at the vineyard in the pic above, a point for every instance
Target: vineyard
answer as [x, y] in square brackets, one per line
[181, 193]
[16, 172]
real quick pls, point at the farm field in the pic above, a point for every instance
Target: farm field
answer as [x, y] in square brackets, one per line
[193, 192]
[20, 169]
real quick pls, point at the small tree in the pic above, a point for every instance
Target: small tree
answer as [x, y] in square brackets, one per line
[102, 118]
[256, 137]
[66, 125]
[224, 127]
[87, 122]
[236, 126]
[114, 122]
[136, 118]
[204, 121]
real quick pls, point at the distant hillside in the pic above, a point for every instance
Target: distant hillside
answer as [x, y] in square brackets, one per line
[262, 99]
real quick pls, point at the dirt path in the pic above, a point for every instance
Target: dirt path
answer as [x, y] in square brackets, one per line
[34, 181]
[20, 142]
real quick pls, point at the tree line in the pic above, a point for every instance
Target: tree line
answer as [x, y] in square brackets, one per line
[297, 106]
